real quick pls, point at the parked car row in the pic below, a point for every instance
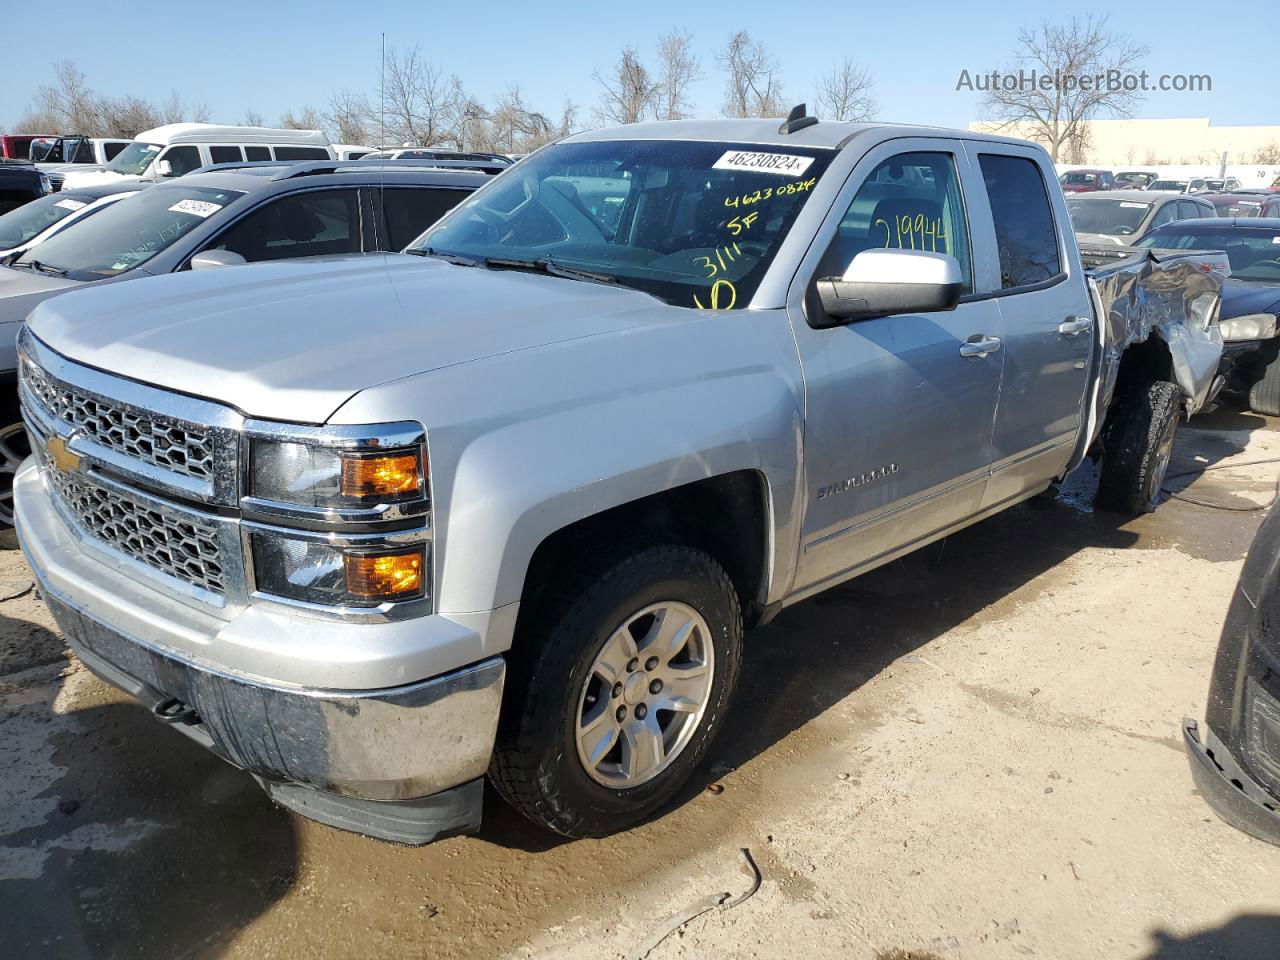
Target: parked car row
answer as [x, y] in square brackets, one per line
[1087, 180]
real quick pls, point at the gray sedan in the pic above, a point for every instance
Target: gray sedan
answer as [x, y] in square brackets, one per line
[1121, 216]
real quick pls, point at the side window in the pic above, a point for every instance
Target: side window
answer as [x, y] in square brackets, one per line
[409, 211]
[183, 159]
[1166, 214]
[110, 150]
[301, 153]
[911, 201]
[301, 225]
[256, 154]
[1025, 236]
[225, 155]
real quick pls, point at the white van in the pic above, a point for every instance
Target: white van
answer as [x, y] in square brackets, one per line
[178, 148]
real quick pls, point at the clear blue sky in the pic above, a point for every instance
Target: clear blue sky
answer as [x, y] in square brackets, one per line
[271, 56]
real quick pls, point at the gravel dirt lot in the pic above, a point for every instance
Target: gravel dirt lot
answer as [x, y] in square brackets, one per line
[971, 753]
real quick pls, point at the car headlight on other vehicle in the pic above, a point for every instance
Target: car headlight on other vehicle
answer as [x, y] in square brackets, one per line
[1252, 326]
[46, 185]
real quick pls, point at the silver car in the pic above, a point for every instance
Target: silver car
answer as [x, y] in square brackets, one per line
[1122, 216]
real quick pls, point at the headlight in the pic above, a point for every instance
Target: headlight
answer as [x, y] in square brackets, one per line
[313, 571]
[1252, 326]
[46, 184]
[310, 475]
[339, 517]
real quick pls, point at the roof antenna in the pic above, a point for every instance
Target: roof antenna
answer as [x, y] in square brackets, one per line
[382, 127]
[797, 119]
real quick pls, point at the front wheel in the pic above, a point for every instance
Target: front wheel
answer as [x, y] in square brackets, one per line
[1139, 444]
[14, 448]
[615, 694]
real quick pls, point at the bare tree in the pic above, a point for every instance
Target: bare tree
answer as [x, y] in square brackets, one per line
[126, 116]
[627, 93]
[845, 93]
[308, 118]
[349, 117]
[1079, 51]
[1268, 153]
[419, 101]
[753, 88]
[678, 67]
[175, 111]
[67, 105]
[252, 118]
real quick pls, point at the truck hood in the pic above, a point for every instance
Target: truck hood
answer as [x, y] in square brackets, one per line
[295, 340]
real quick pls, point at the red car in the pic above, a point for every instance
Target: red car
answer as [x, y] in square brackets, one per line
[1086, 181]
[17, 146]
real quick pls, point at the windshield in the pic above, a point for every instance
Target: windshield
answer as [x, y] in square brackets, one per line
[30, 220]
[1254, 253]
[1077, 178]
[128, 233]
[1177, 185]
[1115, 218]
[134, 159]
[695, 224]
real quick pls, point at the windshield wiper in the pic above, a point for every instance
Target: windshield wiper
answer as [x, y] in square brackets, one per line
[549, 266]
[35, 266]
[455, 258]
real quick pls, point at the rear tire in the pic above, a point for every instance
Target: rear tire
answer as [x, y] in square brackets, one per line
[1139, 443]
[593, 671]
[1264, 396]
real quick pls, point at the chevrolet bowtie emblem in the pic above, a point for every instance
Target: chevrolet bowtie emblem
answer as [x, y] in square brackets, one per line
[62, 458]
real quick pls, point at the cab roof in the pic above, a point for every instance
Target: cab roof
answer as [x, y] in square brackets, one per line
[830, 134]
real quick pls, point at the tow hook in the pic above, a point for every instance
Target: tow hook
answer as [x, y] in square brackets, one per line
[174, 710]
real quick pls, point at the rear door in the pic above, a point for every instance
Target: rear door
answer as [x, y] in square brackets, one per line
[897, 440]
[1021, 226]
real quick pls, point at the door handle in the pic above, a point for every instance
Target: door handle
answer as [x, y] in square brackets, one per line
[979, 346]
[1074, 326]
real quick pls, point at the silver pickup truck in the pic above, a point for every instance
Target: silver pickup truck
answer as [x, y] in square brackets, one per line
[503, 505]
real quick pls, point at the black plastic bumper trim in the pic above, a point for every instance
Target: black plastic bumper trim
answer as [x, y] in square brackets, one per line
[1235, 796]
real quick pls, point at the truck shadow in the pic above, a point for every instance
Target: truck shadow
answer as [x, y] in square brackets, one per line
[1244, 936]
[119, 839]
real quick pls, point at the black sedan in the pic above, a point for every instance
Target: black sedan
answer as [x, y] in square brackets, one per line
[1250, 298]
[1235, 756]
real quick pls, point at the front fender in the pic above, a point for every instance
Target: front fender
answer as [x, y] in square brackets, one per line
[524, 444]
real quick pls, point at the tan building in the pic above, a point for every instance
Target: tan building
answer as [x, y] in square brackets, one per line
[1160, 142]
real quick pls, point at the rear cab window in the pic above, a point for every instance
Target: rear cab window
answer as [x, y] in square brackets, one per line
[1026, 238]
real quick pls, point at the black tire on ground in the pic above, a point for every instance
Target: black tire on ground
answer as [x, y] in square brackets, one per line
[1264, 395]
[536, 765]
[14, 448]
[1139, 442]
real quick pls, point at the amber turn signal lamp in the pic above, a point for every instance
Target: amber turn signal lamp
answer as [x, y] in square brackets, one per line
[388, 576]
[384, 475]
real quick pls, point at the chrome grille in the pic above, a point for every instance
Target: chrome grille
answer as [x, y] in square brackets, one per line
[172, 542]
[184, 448]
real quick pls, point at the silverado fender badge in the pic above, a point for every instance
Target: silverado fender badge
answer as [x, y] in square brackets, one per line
[861, 480]
[64, 459]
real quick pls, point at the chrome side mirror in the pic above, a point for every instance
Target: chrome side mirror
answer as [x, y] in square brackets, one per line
[216, 258]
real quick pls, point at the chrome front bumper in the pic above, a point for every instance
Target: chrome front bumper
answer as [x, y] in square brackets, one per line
[390, 743]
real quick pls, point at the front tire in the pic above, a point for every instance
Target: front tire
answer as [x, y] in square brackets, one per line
[1264, 395]
[14, 448]
[1139, 445]
[616, 691]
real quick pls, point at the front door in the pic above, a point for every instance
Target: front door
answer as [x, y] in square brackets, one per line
[898, 417]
